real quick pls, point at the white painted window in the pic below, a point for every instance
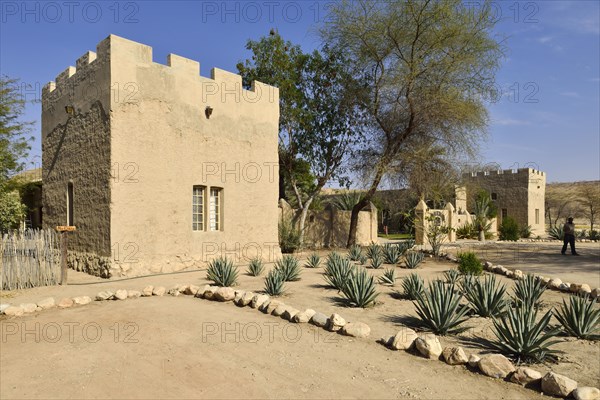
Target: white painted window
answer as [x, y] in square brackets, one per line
[198, 208]
[215, 209]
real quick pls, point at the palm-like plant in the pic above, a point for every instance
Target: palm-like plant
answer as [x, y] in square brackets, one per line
[413, 286]
[480, 222]
[580, 318]
[360, 288]
[313, 261]
[347, 200]
[440, 310]
[486, 297]
[528, 291]
[222, 272]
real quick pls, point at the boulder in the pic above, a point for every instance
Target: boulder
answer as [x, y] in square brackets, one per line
[13, 311]
[147, 292]
[158, 291]
[28, 308]
[319, 319]
[47, 303]
[403, 340]
[555, 283]
[586, 393]
[133, 294]
[525, 376]
[258, 299]
[82, 300]
[224, 294]
[474, 360]
[289, 313]
[429, 346]
[558, 385]
[192, 290]
[335, 323]
[121, 294]
[496, 366]
[104, 295]
[356, 329]
[304, 316]
[65, 303]
[455, 356]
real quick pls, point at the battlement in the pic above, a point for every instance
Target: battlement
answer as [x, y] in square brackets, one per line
[117, 49]
[520, 171]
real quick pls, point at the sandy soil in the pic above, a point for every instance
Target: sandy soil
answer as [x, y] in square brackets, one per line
[189, 348]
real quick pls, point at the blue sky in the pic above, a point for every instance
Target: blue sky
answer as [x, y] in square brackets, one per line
[545, 115]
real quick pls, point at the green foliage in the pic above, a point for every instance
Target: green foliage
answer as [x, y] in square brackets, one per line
[483, 210]
[289, 267]
[337, 270]
[11, 211]
[451, 277]
[437, 234]
[556, 232]
[256, 267]
[466, 283]
[274, 283]
[346, 201]
[594, 235]
[412, 259]
[373, 250]
[289, 236]
[509, 229]
[363, 259]
[469, 264]
[377, 261]
[391, 253]
[413, 286]
[467, 231]
[486, 296]
[519, 336]
[360, 288]
[525, 232]
[222, 272]
[580, 318]
[388, 277]
[355, 252]
[528, 291]
[313, 261]
[440, 310]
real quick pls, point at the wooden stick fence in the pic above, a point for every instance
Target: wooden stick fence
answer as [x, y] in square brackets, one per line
[30, 258]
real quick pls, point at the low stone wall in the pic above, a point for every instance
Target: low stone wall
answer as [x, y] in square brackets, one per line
[90, 263]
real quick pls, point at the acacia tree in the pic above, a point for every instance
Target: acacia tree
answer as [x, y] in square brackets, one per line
[318, 120]
[426, 67]
[589, 198]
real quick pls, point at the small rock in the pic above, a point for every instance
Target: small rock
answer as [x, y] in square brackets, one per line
[121, 294]
[147, 291]
[586, 393]
[319, 319]
[545, 280]
[574, 288]
[488, 266]
[584, 290]
[279, 310]
[304, 316]
[558, 385]
[238, 296]
[28, 308]
[174, 291]
[104, 295]
[182, 288]
[496, 366]
[224, 294]
[133, 294]
[65, 303]
[518, 274]
[595, 293]
[554, 283]
[356, 329]
[474, 360]
[209, 292]
[455, 356]
[336, 322]
[258, 299]
[192, 290]
[270, 308]
[403, 340]
[524, 376]
[289, 313]
[5, 306]
[47, 303]
[13, 311]
[246, 299]
[429, 346]
[564, 287]
[159, 291]
[82, 300]
[510, 273]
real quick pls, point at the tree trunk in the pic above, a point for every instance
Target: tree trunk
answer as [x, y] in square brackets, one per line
[482, 236]
[302, 222]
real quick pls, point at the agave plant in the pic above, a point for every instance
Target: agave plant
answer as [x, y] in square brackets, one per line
[256, 267]
[313, 261]
[466, 283]
[363, 259]
[519, 336]
[452, 277]
[412, 259]
[337, 270]
[580, 318]
[355, 252]
[486, 297]
[528, 291]
[391, 253]
[289, 267]
[388, 277]
[360, 288]
[556, 232]
[377, 261]
[222, 272]
[374, 250]
[413, 286]
[440, 310]
[274, 283]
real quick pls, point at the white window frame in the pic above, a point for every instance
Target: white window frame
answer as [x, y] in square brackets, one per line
[215, 209]
[198, 208]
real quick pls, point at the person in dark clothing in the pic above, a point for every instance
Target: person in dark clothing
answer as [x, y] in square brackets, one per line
[569, 237]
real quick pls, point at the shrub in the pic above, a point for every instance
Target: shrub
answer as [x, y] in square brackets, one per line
[289, 236]
[222, 272]
[412, 259]
[469, 264]
[391, 253]
[363, 259]
[313, 261]
[388, 277]
[440, 310]
[467, 231]
[451, 277]
[519, 336]
[528, 291]
[377, 261]
[337, 270]
[256, 267]
[373, 250]
[274, 283]
[289, 268]
[509, 229]
[355, 252]
[436, 234]
[360, 288]
[486, 297]
[413, 286]
[525, 232]
[580, 318]
[556, 232]
[594, 235]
